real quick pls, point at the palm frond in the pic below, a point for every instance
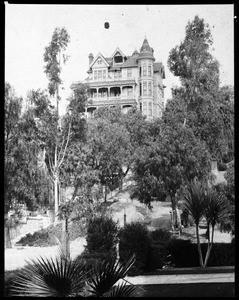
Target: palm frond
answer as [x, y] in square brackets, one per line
[217, 207]
[105, 275]
[123, 290]
[47, 277]
[194, 200]
[62, 247]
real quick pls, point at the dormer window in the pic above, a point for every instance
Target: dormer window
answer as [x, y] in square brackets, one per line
[118, 59]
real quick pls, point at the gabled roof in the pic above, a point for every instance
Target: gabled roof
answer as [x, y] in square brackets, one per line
[117, 50]
[102, 57]
[130, 62]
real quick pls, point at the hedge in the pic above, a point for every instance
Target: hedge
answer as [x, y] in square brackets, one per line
[134, 238]
[184, 254]
[102, 235]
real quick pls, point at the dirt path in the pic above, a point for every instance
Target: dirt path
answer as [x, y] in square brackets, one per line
[120, 204]
[16, 257]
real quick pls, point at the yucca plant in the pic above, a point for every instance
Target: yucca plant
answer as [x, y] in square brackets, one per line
[217, 210]
[194, 205]
[62, 277]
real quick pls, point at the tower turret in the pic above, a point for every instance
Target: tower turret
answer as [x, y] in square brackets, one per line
[146, 80]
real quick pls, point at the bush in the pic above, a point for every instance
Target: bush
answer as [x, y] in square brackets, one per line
[91, 260]
[158, 252]
[46, 237]
[101, 235]
[134, 239]
[222, 254]
[184, 254]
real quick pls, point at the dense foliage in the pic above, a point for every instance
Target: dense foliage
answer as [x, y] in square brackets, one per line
[134, 239]
[47, 237]
[183, 254]
[102, 236]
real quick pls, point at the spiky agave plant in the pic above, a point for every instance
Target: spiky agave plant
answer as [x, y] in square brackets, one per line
[45, 277]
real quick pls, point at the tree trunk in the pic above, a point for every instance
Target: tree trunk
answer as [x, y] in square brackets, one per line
[199, 247]
[176, 219]
[121, 183]
[8, 243]
[209, 248]
[65, 239]
[56, 197]
[105, 192]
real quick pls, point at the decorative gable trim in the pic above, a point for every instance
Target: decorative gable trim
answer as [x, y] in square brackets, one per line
[117, 50]
[96, 58]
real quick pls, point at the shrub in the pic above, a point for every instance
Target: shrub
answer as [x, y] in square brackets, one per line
[184, 254]
[46, 237]
[134, 239]
[101, 235]
[222, 254]
[90, 260]
[159, 240]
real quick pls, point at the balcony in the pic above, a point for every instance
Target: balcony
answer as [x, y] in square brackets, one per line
[112, 100]
[110, 82]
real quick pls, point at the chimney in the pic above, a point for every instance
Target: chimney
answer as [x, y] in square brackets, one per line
[91, 58]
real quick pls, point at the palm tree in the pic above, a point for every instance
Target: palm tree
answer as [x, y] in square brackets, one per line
[62, 277]
[200, 201]
[217, 210]
[194, 205]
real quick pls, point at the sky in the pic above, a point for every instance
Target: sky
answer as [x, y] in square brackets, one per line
[29, 29]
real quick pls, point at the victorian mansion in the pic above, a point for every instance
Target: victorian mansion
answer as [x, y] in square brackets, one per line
[135, 80]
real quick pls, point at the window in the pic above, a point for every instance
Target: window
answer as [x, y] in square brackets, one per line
[140, 89]
[129, 91]
[144, 108]
[144, 88]
[129, 72]
[149, 71]
[150, 88]
[99, 61]
[95, 75]
[100, 74]
[150, 109]
[104, 74]
[140, 106]
[144, 70]
[117, 74]
[118, 59]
